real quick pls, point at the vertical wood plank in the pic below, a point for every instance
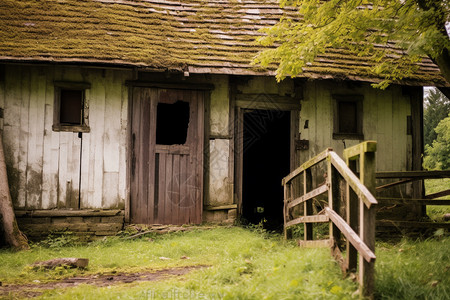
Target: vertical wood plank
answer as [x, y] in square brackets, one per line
[112, 141]
[307, 185]
[35, 140]
[352, 209]
[367, 224]
[175, 190]
[135, 107]
[23, 135]
[12, 129]
[159, 201]
[168, 192]
[200, 137]
[144, 151]
[152, 169]
[183, 206]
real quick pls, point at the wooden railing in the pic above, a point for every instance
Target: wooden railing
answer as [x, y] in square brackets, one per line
[417, 199]
[341, 186]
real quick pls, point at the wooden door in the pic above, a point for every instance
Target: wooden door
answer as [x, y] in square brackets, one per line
[167, 137]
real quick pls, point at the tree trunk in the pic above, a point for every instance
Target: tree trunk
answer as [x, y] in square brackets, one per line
[14, 237]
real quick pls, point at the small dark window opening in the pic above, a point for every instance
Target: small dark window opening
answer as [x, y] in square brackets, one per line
[71, 107]
[70, 110]
[172, 122]
[348, 117]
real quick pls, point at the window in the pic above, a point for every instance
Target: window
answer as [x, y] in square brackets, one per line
[172, 123]
[348, 117]
[70, 108]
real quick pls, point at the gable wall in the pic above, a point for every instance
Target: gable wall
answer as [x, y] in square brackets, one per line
[44, 165]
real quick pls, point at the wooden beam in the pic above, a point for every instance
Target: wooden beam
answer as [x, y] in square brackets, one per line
[308, 219]
[222, 207]
[350, 234]
[386, 201]
[313, 161]
[438, 195]
[314, 193]
[314, 244]
[413, 224]
[413, 174]
[360, 190]
[69, 213]
[364, 147]
[389, 185]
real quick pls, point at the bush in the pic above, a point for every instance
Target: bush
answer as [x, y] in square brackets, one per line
[438, 155]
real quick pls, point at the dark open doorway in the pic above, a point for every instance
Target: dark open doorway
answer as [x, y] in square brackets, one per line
[266, 160]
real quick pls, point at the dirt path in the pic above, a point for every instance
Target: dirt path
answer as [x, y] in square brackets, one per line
[35, 289]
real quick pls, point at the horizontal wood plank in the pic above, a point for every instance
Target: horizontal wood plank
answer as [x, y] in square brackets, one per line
[221, 207]
[351, 235]
[69, 213]
[386, 201]
[314, 244]
[413, 174]
[413, 224]
[308, 219]
[313, 161]
[360, 189]
[314, 193]
[353, 152]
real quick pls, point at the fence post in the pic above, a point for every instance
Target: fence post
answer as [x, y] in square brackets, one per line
[287, 190]
[367, 222]
[352, 209]
[307, 211]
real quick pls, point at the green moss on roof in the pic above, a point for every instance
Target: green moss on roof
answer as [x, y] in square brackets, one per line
[163, 34]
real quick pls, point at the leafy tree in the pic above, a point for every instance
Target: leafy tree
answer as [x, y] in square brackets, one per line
[416, 26]
[437, 107]
[438, 155]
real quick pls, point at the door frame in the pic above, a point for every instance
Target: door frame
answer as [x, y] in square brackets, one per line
[131, 84]
[283, 103]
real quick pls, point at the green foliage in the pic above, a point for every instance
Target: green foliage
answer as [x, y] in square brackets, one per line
[365, 27]
[438, 155]
[58, 240]
[437, 107]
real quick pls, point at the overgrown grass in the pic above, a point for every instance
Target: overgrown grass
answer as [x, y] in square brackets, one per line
[244, 264]
[413, 269]
[436, 212]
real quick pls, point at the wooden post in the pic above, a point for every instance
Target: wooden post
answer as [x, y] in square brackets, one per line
[334, 201]
[287, 232]
[307, 184]
[367, 223]
[351, 207]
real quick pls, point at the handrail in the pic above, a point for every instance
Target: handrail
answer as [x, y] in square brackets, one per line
[359, 201]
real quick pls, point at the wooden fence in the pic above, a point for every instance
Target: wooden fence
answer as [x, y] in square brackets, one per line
[356, 224]
[419, 199]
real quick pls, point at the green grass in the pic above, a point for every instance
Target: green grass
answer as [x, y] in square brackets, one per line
[413, 270]
[244, 264]
[436, 212]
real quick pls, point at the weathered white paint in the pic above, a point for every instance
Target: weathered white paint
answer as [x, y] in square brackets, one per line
[44, 165]
[220, 183]
[220, 107]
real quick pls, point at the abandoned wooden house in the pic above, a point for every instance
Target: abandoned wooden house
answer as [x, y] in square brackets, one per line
[149, 111]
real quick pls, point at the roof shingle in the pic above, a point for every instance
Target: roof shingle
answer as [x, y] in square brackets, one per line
[201, 36]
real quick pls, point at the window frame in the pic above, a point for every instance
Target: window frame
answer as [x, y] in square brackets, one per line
[68, 85]
[337, 134]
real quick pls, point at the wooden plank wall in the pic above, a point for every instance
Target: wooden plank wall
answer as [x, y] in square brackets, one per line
[384, 120]
[44, 165]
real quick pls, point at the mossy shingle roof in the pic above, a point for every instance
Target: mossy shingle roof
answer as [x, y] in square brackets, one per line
[201, 36]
